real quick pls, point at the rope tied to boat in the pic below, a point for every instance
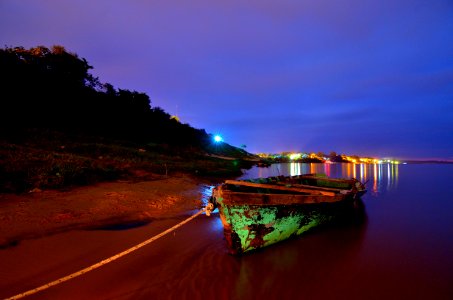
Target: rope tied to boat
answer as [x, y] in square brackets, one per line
[105, 261]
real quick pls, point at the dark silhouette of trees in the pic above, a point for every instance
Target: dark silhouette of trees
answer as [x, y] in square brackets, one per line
[41, 87]
[53, 89]
[334, 157]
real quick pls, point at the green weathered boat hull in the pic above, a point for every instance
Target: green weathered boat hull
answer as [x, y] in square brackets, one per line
[256, 213]
[250, 227]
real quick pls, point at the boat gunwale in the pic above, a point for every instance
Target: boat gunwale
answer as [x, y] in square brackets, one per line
[268, 199]
[315, 176]
[282, 188]
[291, 181]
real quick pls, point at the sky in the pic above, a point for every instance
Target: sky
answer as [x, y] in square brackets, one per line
[358, 77]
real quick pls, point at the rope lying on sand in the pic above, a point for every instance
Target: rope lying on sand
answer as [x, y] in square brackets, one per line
[105, 261]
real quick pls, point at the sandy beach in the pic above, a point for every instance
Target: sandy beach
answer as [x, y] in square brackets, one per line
[40, 213]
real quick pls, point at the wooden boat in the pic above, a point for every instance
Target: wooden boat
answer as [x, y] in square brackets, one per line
[260, 212]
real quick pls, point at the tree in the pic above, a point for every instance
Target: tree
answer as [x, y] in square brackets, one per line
[54, 89]
[332, 155]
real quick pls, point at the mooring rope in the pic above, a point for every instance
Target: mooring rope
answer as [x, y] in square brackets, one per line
[105, 261]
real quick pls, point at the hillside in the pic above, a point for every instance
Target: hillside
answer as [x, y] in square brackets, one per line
[62, 127]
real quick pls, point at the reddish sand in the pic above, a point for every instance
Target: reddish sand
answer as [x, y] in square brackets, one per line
[41, 213]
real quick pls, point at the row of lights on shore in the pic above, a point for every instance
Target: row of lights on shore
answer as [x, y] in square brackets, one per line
[295, 156]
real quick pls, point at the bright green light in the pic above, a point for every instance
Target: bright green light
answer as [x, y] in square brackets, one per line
[294, 156]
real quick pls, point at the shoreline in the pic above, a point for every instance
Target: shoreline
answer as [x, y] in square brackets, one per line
[104, 205]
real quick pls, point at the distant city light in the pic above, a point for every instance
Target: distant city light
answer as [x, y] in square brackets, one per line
[294, 156]
[218, 138]
[297, 157]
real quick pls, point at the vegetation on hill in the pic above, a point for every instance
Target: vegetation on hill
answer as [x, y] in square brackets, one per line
[62, 126]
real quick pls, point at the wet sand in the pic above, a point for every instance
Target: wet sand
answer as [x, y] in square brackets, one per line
[41, 213]
[49, 234]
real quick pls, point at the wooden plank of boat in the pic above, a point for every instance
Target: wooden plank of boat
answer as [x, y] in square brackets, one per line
[322, 181]
[259, 199]
[315, 180]
[305, 186]
[286, 181]
[315, 176]
[281, 188]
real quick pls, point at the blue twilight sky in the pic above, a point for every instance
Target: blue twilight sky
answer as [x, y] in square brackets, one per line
[372, 78]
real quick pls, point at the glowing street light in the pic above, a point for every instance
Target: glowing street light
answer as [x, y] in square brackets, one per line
[294, 156]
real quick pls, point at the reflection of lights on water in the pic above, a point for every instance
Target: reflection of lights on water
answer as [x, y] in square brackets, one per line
[388, 176]
[350, 171]
[375, 175]
[396, 175]
[379, 177]
[312, 168]
[327, 168]
[294, 169]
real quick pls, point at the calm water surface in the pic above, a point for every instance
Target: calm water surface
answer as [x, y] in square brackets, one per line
[403, 249]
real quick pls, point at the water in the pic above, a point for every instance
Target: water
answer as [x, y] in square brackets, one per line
[404, 250]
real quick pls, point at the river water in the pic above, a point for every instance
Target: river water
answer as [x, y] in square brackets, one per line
[402, 248]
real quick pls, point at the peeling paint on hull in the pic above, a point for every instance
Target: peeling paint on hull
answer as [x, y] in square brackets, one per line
[255, 220]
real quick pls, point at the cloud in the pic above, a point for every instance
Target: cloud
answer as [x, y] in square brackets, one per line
[329, 75]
